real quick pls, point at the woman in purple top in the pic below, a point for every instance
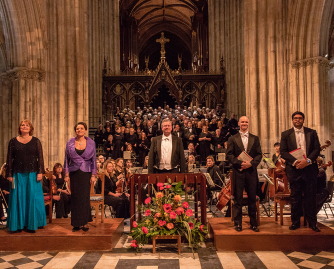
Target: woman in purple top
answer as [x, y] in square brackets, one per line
[80, 168]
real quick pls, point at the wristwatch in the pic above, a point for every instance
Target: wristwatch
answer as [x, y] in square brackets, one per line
[308, 161]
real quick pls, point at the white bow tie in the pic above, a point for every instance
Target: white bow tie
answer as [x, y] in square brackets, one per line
[244, 135]
[166, 138]
[299, 131]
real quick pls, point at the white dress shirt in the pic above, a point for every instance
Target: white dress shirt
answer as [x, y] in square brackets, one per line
[300, 138]
[166, 152]
[244, 138]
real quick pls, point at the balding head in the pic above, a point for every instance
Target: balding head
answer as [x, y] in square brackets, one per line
[243, 124]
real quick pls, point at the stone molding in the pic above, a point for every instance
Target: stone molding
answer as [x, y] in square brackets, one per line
[310, 61]
[23, 73]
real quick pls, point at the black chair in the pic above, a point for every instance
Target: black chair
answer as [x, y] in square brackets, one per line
[330, 188]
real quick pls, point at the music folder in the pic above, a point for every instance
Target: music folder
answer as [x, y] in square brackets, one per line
[299, 154]
[244, 157]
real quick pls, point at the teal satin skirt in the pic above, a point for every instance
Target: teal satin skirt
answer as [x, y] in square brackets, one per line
[26, 203]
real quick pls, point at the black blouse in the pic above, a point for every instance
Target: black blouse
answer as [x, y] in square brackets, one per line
[109, 185]
[25, 158]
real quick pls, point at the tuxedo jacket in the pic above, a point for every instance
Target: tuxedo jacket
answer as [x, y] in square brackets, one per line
[235, 147]
[177, 154]
[289, 143]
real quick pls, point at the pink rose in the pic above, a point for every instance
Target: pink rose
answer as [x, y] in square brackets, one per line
[159, 195]
[179, 211]
[172, 215]
[161, 188]
[168, 186]
[134, 245]
[161, 223]
[147, 212]
[147, 200]
[201, 227]
[170, 226]
[185, 205]
[134, 224]
[134, 241]
[189, 212]
[160, 185]
[145, 230]
[157, 215]
[191, 225]
[167, 208]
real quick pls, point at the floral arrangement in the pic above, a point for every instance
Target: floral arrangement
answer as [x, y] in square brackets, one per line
[167, 214]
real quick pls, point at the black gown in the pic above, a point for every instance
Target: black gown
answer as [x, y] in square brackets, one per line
[118, 144]
[106, 145]
[204, 146]
[143, 148]
[80, 196]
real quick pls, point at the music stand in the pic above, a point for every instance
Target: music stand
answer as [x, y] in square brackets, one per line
[211, 184]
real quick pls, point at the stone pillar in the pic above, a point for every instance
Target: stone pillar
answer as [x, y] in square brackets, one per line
[226, 39]
[104, 43]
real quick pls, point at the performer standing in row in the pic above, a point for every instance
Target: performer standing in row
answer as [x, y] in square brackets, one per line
[244, 172]
[80, 168]
[166, 153]
[25, 169]
[302, 175]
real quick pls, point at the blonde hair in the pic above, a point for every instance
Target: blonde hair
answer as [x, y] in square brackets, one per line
[3, 169]
[105, 164]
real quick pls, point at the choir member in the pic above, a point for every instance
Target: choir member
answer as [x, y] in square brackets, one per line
[204, 139]
[118, 144]
[98, 136]
[143, 148]
[62, 198]
[108, 147]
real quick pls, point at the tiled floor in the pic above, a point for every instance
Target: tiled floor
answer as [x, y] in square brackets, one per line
[205, 257]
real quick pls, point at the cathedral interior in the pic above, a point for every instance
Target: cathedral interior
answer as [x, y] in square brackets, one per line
[67, 61]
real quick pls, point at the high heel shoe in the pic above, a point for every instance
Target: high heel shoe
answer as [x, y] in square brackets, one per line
[85, 229]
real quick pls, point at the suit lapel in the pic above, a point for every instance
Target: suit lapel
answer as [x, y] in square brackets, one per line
[293, 138]
[250, 142]
[159, 146]
[239, 142]
[174, 140]
[307, 139]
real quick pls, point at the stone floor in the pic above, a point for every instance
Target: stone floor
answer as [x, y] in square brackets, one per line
[205, 257]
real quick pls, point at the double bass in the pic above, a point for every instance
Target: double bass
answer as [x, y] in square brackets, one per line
[224, 196]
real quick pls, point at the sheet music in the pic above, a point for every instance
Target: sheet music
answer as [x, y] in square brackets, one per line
[209, 179]
[299, 154]
[244, 157]
[221, 157]
[270, 162]
[126, 155]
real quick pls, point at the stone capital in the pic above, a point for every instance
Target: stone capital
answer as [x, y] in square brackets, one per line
[23, 73]
[313, 60]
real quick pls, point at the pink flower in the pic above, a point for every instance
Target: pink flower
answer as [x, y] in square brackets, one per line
[191, 225]
[189, 212]
[147, 212]
[172, 215]
[134, 224]
[170, 226]
[167, 208]
[157, 215]
[134, 241]
[179, 211]
[145, 230]
[185, 205]
[160, 184]
[201, 227]
[147, 200]
[161, 188]
[134, 245]
[159, 195]
[168, 186]
[162, 223]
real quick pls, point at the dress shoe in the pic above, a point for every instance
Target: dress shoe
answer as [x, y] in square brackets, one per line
[315, 228]
[30, 231]
[75, 229]
[294, 226]
[85, 229]
[255, 229]
[238, 228]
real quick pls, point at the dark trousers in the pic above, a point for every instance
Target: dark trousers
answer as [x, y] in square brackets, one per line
[62, 206]
[164, 171]
[304, 186]
[247, 181]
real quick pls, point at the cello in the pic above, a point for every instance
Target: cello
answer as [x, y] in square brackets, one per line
[225, 195]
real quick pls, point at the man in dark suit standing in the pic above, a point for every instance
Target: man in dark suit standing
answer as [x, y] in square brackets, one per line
[244, 172]
[166, 153]
[302, 174]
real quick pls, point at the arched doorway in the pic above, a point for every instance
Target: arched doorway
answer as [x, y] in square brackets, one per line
[163, 97]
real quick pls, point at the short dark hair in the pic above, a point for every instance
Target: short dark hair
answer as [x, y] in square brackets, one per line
[80, 123]
[298, 113]
[277, 144]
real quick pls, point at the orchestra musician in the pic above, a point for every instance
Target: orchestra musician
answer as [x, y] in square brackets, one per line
[302, 174]
[80, 168]
[215, 174]
[244, 172]
[277, 154]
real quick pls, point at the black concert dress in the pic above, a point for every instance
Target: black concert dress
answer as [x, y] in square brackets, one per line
[204, 146]
[118, 144]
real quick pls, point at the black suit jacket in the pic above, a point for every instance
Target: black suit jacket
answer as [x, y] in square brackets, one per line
[288, 144]
[235, 147]
[177, 154]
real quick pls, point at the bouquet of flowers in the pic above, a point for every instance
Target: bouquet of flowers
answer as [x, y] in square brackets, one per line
[167, 214]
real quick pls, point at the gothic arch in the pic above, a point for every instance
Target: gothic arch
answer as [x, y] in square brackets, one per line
[172, 89]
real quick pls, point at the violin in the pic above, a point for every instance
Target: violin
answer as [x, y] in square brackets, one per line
[328, 143]
[328, 164]
[119, 185]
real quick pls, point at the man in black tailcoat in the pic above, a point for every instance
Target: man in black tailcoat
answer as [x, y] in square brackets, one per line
[302, 174]
[244, 172]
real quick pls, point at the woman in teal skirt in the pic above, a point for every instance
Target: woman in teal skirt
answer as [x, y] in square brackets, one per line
[25, 169]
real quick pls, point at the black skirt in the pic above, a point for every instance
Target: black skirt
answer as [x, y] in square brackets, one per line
[80, 198]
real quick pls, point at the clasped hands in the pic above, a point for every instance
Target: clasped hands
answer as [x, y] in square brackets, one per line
[245, 165]
[301, 164]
